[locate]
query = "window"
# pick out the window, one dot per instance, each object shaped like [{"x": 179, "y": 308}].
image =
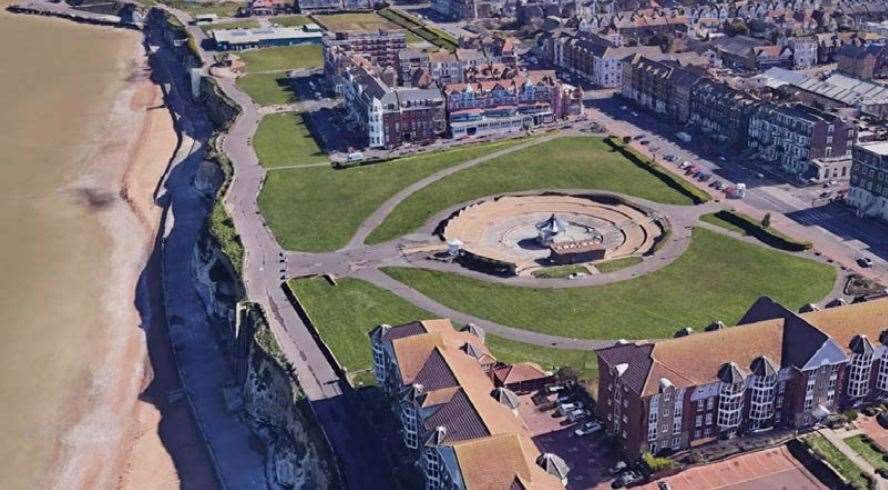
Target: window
[
  {"x": 698, "y": 421},
  {"x": 708, "y": 419},
  {"x": 730, "y": 404},
  {"x": 882, "y": 378},
  {"x": 700, "y": 405},
  {"x": 859, "y": 374},
  {"x": 710, "y": 403}
]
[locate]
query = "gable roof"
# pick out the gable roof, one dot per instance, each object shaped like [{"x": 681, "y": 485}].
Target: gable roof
[{"x": 786, "y": 339}]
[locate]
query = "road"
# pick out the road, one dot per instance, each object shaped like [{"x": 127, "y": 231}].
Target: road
[
  {"x": 360, "y": 461},
  {"x": 796, "y": 210}
]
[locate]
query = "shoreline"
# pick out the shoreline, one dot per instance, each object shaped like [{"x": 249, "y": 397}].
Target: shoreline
[{"x": 112, "y": 426}]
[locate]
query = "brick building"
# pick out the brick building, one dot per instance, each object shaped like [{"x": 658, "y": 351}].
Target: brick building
[
  {"x": 592, "y": 57},
  {"x": 388, "y": 115},
  {"x": 457, "y": 417},
  {"x": 380, "y": 47},
  {"x": 869, "y": 180},
  {"x": 794, "y": 136},
  {"x": 456, "y": 9},
  {"x": 662, "y": 87},
  {"x": 721, "y": 113},
  {"x": 511, "y": 104},
  {"x": 865, "y": 62},
  {"x": 777, "y": 368}
]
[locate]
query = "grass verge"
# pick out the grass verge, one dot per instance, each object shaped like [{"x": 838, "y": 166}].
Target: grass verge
[
  {"x": 844, "y": 466},
  {"x": 559, "y": 272},
  {"x": 617, "y": 264},
  {"x": 222, "y": 9},
  {"x": 284, "y": 139},
  {"x": 746, "y": 225},
  {"x": 344, "y": 315},
  {"x": 318, "y": 209},
  {"x": 717, "y": 278},
  {"x": 867, "y": 449},
  {"x": 693, "y": 193},
  {"x": 564, "y": 163},
  {"x": 273, "y": 88},
  {"x": 290, "y": 20}
]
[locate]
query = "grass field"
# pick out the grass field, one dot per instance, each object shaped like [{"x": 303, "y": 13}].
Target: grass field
[
  {"x": 284, "y": 139},
  {"x": 831, "y": 454},
  {"x": 717, "y": 278},
  {"x": 283, "y": 58},
  {"x": 344, "y": 314},
  {"x": 318, "y": 209},
  {"x": 864, "y": 447},
  {"x": 273, "y": 88},
  {"x": 237, "y": 24},
  {"x": 266, "y": 81},
  {"x": 362, "y": 22},
  {"x": 571, "y": 162},
  {"x": 290, "y": 20}
]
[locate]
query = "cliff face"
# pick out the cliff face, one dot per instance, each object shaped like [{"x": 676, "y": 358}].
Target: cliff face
[
  {"x": 298, "y": 454},
  {"x": 218, "y": 286}
]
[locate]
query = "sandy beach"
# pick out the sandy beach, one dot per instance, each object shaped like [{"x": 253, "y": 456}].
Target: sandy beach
[{"x": 89, "y": 367}]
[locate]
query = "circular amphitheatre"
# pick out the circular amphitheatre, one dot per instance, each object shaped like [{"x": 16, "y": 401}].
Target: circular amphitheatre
[{"x": 521, "y": 234}]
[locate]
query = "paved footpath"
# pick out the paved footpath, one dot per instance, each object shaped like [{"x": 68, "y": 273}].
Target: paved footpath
[{"x": 837, "y": 438}]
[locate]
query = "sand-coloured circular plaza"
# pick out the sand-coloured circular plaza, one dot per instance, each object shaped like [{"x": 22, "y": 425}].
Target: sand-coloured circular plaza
[{"x": 524, "y": 233}]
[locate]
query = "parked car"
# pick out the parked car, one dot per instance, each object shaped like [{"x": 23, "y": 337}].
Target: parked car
[
  {"x": 590, "y": 427},
  {"x": 685, "y": 164},
  {"x": 577, "y": 415},
  {"x": 566, "y": 408},
  {"x": 638, "y": 136},
  {"x": 626, "y": 478},
  {"x": 620, "y": 466},
  {"x": 565, "y": 397},
  {"x": 882, "y": 419},
  {"x": 865, "y": 262},
  {"x": 555, "y": 388},
  {"x": 670, "y": 157},
  {"x": 705, "y": 177},
  {"x": 645, "y": 142}
]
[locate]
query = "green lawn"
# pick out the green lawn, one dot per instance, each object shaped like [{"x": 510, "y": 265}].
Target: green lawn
[
  {"x": 617, "y": 264},
  {"x": 237, "y": 24},
  {"x": 266, "y": 81},
  {"x": 864, "y": 447},
  {"x": 318, "y": 209},
  {"x": 570, "y": 162},
  {"x": 747, "y": 225},
  {"x": 291, "y": 20},
  {"x": 283, "y": 58},
  {"x": 831, "y": 454},
  {"x": 717, "y": 278},
  {"x": 284, "y": 139},
  {"x": 273, "y": 88},
  {"x": 355, "y": 22},
  {"x": 222, "y": 9},
  {"x": 344, "y": 314}
]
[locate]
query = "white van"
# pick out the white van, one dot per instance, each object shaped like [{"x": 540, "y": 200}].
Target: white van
[{"x": 355, "y": 157}]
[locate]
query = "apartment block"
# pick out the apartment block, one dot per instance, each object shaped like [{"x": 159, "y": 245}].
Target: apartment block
[
  {"x": 662, "y": 87},
  {"x": 794, "y": 136},
  {"x": 776, "y": 369},
  {"x": 869, "y": 180},
  {"x": 456, "y": 415},
  {"x": 721, "y": 113},
  {"x": 499, "y": 106}
]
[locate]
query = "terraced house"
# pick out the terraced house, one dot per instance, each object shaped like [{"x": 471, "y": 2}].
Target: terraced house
[
  {"x": 777, "y": 368},
  {"x": 802, "y": 140},
  {"x": 511, "y": 104},
  {"x": 721, "y": 112},
  {"x": 456, "y": 413}
]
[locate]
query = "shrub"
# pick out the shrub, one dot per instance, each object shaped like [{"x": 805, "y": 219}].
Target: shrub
[
  {"x": 852, "y": 415},
  {"x": 657, "y": 464},
  {"x": 766, "y": 221}
]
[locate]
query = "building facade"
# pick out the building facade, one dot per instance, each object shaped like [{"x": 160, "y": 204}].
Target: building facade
[
  {"x": 380, "y": 47},
  {"x": 456, "y": 9},
  {"x": 777, "y": 369},
  {"x": 508, "y": 105},
  {"x": 869, "y": 180},
  {"x": 791, "y": 137},
  {"x": 721, "y": 113},
  {"x": 457, "y": 418},
  {"x": 662, "y": 87}
]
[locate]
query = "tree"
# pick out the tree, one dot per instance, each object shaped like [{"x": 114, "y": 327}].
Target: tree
[
  {"x": 626, "y": 140},
  {"x": 568, "y": 374},
  {"x": 766, "y": 221}
]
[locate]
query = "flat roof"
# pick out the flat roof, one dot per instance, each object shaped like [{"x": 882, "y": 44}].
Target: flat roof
[
  {"x": 250, "y": 36},
  {"x": 879, "y": 147}
]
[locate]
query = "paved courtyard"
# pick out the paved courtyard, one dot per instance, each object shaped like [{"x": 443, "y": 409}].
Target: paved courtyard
[{"x": 771, "y": 469}]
